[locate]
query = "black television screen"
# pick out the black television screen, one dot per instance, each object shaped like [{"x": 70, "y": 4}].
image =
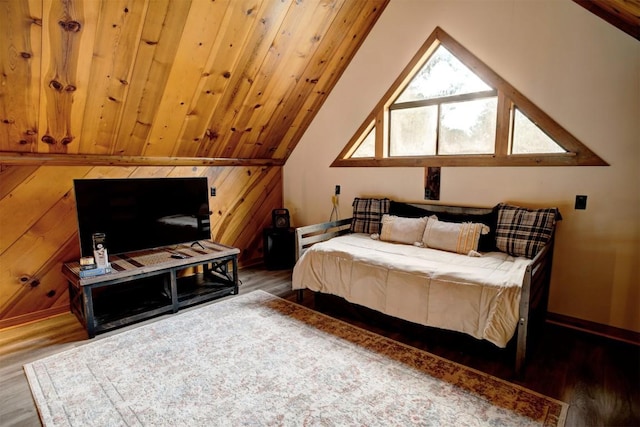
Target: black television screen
[{"x": 141, "y": 213}]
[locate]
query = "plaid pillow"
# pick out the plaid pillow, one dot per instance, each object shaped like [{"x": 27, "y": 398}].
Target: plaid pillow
[
  {"x": 523, "y": 232},
  {"x": 367, "y": 215}
]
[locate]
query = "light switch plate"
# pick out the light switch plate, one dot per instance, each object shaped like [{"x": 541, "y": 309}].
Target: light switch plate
[{"x": 581, "y": 202}]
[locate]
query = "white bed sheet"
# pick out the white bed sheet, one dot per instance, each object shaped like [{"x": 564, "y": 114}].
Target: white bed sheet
[{"x": 479, "y": 296}]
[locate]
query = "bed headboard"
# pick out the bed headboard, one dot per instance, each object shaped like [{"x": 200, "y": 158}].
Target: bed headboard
[
  {"x": 524, "y": 233},
  {"x": 487, "y": 216}
]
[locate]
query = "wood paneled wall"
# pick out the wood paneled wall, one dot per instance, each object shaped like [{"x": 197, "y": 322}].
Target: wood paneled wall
[
  {"x": 117, "y": 88},
  {"x": 39, "y": 226}
]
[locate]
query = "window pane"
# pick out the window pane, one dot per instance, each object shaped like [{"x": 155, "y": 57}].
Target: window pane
[
  {"x": 528, "y": 138},
  {"x": 413, "y": 131},
  {"x": 468, "y": 127},
  {"x": 368, "y": 147},
  {"x": 442, "y": 75}
]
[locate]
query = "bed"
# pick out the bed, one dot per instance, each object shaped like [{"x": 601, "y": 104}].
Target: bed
[{"x": 484, "y": 272}]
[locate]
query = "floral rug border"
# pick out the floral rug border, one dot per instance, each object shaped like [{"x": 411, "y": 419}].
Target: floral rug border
[{"x": 526, "y": 402}]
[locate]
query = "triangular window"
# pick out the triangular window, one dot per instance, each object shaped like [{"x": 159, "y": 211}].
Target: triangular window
[
  {"x": 449, "y": 109},
  {"x": 367, "y": 147},
  {"x": 442, "y": 75},
  {"x": 528, "y": 138}
]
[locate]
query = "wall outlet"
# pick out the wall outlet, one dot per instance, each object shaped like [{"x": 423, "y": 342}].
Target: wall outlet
[
  {"x": 337, "y": 193},
  {"x": 581, "y": 202},
  {"x": 213, "y": 191}
]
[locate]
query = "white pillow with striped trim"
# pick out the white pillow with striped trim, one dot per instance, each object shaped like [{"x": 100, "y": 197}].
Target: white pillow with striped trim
[
  {"x": 456, "y": 237},
  {"x": 402, "y": 230}
]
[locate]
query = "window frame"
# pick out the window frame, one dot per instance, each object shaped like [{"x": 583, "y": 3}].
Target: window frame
[{"x": 577, "y": 154}]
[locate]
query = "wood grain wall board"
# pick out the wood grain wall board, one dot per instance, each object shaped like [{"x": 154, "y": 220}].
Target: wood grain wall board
[
  {"x": 106, "y": 172},
  {"x": 322, "y": 74},
  {"x": 269, "y": 197},
  {"x": 30, "y": 200},
  {"x": 266, "y": 24},
  {"x": 54, "y": 294},
  {"x": 295, "y": 42},
  {"x": 21, "y": 262},
  {"x": 47, "y": 289},
  {"x": 160, "y": 39},
  {"x": 223, "y": 58},
  {"x": 12, "y": 176},
  {"x": 26, "y": 258},
  {"x": 219, "y": 202},
  {"x": 152, "y": 172},
  {"x": 222, "y": 205},
  {"x": 241, "y": 214},
  {"x": 231, "y": 224},
  {"x": 68, "y": 34},
  {"x": 188, "y": 171},
  {"x": 20, "y": 55},
  {"x": 119, "y": 27},
  {"x": 239, "y": 217},
  {"x": 200, "y": 31},
  {"x": 226, "y": 203}
]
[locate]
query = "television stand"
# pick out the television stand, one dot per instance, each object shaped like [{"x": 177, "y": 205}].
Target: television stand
[{"x": 147, "y": 283}]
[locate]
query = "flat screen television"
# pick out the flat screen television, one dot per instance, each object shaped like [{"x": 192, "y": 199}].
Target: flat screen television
[{"x": 142, "y": 213}]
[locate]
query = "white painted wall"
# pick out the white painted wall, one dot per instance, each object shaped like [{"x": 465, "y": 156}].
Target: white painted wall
[{"x": 582, "y": 71}]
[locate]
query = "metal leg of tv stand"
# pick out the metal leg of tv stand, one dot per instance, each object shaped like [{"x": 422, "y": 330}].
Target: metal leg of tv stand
[{"x": 235, "y": 275}]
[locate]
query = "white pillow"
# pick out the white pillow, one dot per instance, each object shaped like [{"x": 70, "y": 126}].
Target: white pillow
[
  {"x": 402, "y": 230},
  {"x": 456, "y": 237}
]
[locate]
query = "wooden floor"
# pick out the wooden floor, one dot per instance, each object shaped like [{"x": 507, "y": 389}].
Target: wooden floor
[{"x": 598, "y": 377}]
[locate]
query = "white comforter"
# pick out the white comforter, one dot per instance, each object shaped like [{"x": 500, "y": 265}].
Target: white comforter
[{"x": 479, "y": 296}]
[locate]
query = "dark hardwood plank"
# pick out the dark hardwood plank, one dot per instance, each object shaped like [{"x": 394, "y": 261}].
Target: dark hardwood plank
[{"x": 597, "y": 376}]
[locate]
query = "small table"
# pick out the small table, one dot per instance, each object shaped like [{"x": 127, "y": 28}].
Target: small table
[
  {"x": 148, "y": 283},
  {"x": 279, "y": 246}
]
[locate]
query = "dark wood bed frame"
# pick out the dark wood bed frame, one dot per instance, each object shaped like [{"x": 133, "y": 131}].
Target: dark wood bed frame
[{"x": 535, "y": 287}]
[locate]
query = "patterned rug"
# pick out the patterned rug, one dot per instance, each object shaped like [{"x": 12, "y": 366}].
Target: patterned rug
[{"x": 260, "y": 360}]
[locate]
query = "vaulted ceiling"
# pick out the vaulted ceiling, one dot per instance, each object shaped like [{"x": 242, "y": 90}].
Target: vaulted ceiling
[
  {"x": 623, "y": 14},
  {"x": 203, "y": 82},
  {"x": 220, "y": 82}
]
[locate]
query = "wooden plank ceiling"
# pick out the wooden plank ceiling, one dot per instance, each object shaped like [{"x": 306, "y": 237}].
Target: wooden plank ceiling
[
  {"x": 152, "y": 82},
  {"x": 623, "y": 14}
]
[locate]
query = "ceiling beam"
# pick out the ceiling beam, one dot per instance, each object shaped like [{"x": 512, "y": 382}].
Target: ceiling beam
[{"x": 41, "y": 159}]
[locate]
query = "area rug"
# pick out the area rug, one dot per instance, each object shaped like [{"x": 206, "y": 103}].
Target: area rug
[{"x": 259, "y": 360}]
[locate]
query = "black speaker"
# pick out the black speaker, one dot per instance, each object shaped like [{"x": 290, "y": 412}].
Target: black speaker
[{"x": 280, "y": 218}]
